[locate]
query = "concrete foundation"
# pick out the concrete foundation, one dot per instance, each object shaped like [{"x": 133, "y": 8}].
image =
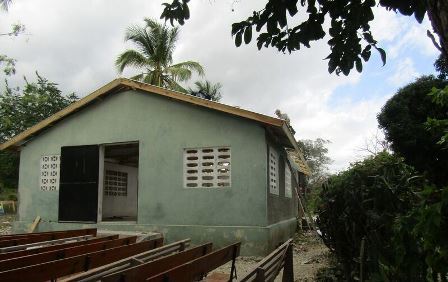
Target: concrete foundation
[{"x": 253, "y": 238}]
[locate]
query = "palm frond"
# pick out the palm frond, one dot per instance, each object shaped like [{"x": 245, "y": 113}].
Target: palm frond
[
  {"x": 189, "y": 65},
  {"x": 130, "y": 58}
]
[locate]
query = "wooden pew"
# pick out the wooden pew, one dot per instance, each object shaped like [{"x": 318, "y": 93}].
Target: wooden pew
[
  {"x": 63, "y": 253},
  {"x": 29, "y": 235},
  {"x": 9, "y": 242},
  {"x": 142, "y": 271},
  {"x": 198, "y": 268},
  {"x": 268, "y": 268},
  {"x": 97, "y": 273},
  {"x": 37, "y": 250},
  {"x": 54, "y": 269}
]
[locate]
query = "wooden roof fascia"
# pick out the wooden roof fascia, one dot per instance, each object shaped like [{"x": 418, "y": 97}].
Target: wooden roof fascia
[
  {"x": 202, "y": 102},
  {"x": 123, "y": 83},
  {"x": 57, "y": 116}
]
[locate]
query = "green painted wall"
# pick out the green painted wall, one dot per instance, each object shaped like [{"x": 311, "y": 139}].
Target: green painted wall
[{"x": 163, "y": 128}]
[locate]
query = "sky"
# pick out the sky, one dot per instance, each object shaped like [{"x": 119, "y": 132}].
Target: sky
[{"x": 75, "y": 44}]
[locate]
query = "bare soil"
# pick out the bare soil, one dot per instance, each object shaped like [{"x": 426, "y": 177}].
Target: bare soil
[
  {"x": 6, "y": 224},
  {"x": 310, "y": 255}
]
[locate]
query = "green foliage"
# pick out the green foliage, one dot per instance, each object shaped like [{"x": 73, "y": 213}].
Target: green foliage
[
  {"x": 349, "y": 31},
  {"x": 20, "y": 110},
  {"x": 441, "y": 66},
  {"x": 154, "y": 56},
  {"x": 315, "y": 153},
  {"x": 207, "y": 90},
  {"x": 437, "y": 126},
  {"x": 404, "y": 120},
  {"x": 359, "y": 207}
]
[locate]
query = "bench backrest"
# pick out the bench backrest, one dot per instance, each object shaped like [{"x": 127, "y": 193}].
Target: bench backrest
[{"x": 268, "y": 268}]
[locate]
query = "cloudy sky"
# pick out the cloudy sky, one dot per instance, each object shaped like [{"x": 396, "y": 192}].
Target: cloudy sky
[{"x": 75, "y": 43}]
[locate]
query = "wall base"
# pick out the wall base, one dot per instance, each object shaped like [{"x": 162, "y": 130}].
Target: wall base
[{"x": 256, "y": 241}]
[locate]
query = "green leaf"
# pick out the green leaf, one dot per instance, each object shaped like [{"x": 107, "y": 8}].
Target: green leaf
[
  {"x": 358, "y": 64},
  {"x": 383, "y": 55},
  {"x": 238, "y": 39},
  {"x": 248, "y": 34}
]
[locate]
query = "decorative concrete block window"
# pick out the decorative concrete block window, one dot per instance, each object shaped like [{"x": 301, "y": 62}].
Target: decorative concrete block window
[
  {"x": 207, "y": 167},
  {"x": 273, "y": 171},
  {"x": 49, "y": 172},
  {"x": 288, "y": 189},
  {"x": 115, "y": 183}
]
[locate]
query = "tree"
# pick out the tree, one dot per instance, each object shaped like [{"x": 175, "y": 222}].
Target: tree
[
  {"x": 20, "y": 110},
  {"x": 207, "y": 90},
  {"x": 351, "y": 40},
  {"x": 404, "y": 120},
  {"x": 9, "y": 67},
  {"x": 315, "y": 153},
  {"x": 154, "y": 56}
]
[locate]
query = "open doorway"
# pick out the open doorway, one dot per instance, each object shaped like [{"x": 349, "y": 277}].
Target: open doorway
[{"x": 120, "y": 182}]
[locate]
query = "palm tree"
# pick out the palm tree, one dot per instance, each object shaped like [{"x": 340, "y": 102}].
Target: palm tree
[
  {"x": 154, "y": 56},
  {"x": 207, "y": 90}
]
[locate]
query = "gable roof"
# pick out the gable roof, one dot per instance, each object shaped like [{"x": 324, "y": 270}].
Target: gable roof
[{"x": 275, "y": 126}]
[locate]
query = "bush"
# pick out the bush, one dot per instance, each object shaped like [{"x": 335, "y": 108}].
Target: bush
[{"x": 357, "y": 214}]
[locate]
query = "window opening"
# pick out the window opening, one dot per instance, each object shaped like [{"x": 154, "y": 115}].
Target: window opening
[{"x": 207, "y": 167}]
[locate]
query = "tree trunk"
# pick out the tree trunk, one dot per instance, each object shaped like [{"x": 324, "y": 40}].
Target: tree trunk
[{"x": 438, "y": 15}]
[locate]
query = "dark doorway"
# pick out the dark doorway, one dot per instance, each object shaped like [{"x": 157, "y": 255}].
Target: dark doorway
[{"x": 78, "y": 190}]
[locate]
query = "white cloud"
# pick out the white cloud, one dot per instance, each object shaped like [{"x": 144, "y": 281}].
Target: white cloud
[
  {"x": 75, "y": 43},
  {"x": 404, "y": 73}
]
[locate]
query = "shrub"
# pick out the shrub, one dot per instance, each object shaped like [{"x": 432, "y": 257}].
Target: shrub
[{"x": 357, "y": 214}]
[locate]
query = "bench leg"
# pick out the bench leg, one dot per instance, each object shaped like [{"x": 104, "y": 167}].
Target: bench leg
[{"x": 288, "y": 271}]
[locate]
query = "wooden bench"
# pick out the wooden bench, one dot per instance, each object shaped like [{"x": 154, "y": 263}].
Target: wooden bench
[
  {"x": 268, "y": 268},
  {"x": 144, "y": 270},
  {"x": 41, "y": 248},
  {"x": 21, "y": 239},
  {"x": 60, "y": 268},
  {"x": 100, "y": 272},
  {"x": 63, "y": 253},
  {"x": 198, "y": 268}
]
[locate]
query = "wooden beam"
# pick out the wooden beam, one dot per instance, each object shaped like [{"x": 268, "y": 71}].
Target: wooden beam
[
  {"x": 29, "y": 235},
  {"x": 34, "y": 238},
  {"x": 99, "y": 272},
  {"x": 39, "y": 250},
  {"x": 63, "y": 253},
  {"x": 34, "y": 224},
  {"x": 196, "y": 269},
  {"x": 54, "y": 269},
  {"x": 149, "y": 269}
]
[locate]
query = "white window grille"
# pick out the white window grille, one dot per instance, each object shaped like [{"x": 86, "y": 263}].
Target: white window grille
[
  {"x": 207, "y": 167},
  {"x": 288, "y": 190},
  {"x": 115, "y": 183},
  {"x": 273, "y": 171},
  {"x": 49, "y": 173}
]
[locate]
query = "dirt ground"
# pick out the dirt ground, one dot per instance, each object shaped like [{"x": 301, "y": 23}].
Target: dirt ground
[
  {"x": 310, "y": 255},
  {"x": 5, "y": 224}
]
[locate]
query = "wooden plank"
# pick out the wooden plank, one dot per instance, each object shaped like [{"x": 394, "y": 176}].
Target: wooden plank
[
  {"x": 38, "y": 250},
  {"x": 91, "y": 231},
  {"x": 196, "y": 269},
  {"x": 63, "y": 253},
  {"x": 97, "y": 273},
  {"x": 149, "y": 269},
  {"x": 54, "y": 269},
  {"x": 34, "y": 224},
  {"x": 44, "y": 243},
  {"x": 45, "y": 237},
  {"x": 269, "y": 264}
]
